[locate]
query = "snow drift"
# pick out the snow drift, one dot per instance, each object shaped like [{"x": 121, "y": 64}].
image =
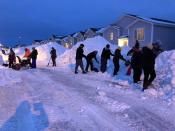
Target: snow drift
[
  {"x": 91, "y": 44},
  {"x": 165, "y": 69}
]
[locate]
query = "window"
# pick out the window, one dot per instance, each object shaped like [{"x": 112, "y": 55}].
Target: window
[
  {"x": 123, "y": 42},
  {"x": 111, "y": 36},
  {"x": 66, "y": 45},
  {"x": 140, "y": 34}
]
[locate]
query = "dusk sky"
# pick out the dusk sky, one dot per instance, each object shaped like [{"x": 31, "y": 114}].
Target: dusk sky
[{"x": 26, "y": 20}]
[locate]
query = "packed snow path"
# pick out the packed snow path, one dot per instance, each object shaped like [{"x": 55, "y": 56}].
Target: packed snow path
[{"x": 57, "y": 100}]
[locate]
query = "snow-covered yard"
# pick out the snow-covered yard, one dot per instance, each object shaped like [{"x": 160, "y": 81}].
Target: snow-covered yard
[{"x": 55, "y": 99}]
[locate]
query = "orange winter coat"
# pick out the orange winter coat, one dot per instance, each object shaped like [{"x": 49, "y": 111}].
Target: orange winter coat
[{"x": 27, "y": 53}]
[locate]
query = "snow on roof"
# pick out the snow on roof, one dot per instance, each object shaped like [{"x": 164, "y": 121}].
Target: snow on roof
[
  {"x": 154, "y": 20},
  {"x": 102, "y": 29},
  {"x": 75, "y": 35},
  {"x": 105, "y": 28}
]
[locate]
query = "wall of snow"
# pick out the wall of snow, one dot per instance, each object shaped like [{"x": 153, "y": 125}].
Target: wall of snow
[
  {"x": 91, "y": 44},
  {"x": 165, "y": 69}
]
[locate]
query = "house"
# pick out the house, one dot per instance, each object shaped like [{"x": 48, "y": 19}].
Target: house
[
  {"x": 90, "y": 33},
  {"x": 79, "y": 36},
  {"x": 122, "y": 24},
  {"x": 37, "y": 42},
  {"x": 56, "y": 38},
  {"x": 110, "y": 33},
  {"x": 145, "y": 30},
  {"x": 68, "y": 41}
]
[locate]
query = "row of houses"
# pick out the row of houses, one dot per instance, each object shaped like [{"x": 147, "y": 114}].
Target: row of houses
[{"x": 125, "y": 31}]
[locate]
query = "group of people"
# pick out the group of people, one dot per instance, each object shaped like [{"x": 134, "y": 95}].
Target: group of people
[
  {"x": 29, "y": 57},
  {"x": 89, "y": 58},
  {"x": 105, "y": 56},
  {"x": 142, "y": 59}
]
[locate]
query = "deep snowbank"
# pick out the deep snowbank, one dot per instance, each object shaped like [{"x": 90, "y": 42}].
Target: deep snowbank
[
  {"x": 165, "y": 69},
  {"x": 91, "y": 44}
]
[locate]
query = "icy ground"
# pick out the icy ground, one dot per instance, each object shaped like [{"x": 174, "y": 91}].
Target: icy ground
[{"x": 55, "y": 99}]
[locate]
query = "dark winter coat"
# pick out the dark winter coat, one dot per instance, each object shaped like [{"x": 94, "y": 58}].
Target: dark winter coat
[
  {"x": 136, "y": 59},
  {"x": 53, "y": 53},
  {"x": 148, "y": 57},
  {"x": 91, "y": 56},
  {"x": 34, "y": 54},
  {"x": 118, "y": 56},
  {"x": 12, "y": 57},
  {"x": 106, "y": 53},
  {"x": 79, "y": 53}
]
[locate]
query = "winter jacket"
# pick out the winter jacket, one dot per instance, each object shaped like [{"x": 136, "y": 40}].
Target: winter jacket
[
  {"x": 136, "y": 59},
  {"x": 79, "y": 53},
  {"x": 118, "y": 56},
  {"x": 106, "y": 53},
  {"x": 27, "y": 53},
  {"x": 91, "y": 56},
  {"x": 34, "y": 54},
  {"x": 12, "y": 57},
  {"x": 53, "y": 53},
  {"x": 148, "y": 57}
]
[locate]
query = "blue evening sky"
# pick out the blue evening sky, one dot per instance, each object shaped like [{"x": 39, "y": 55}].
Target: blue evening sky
[{"x": 26, "y": 20}]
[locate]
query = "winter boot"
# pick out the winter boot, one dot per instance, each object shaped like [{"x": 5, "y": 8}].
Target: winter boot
[
  {"x": 84, "y": 72},
  {"x": 145, "y": 85}
]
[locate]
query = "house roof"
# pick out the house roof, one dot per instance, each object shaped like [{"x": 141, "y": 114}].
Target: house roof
[
  {"x": 58, "y": 36},
  {"x": 75, "y": 35},
  {"x": 154, "y": 20},
  {"x": 37, "y": 40},
  {"x": 101, "y": 30},
  {"x": 93, "y": 29}
]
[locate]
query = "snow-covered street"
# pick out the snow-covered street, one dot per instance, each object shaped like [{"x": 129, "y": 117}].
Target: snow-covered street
[{"x": 56, "y": 99}]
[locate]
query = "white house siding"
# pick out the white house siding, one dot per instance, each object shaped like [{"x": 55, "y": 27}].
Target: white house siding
[
  {"x": 79, "y": 37},
  {"x": 69, "y": 40},
  {"x": 166, "y": 35},
  {"x": 147, "y": 35},
  {"x": 108, "y": 31},
  {"x": 89, "y": 34},
  {"x": 123, "y": 23}
]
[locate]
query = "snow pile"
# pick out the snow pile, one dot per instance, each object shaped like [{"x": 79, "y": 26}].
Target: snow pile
[
  {"x": 91, "y": 44},
  {"x": 165, "y": 69},
  {"x": 43, "y": 52}
]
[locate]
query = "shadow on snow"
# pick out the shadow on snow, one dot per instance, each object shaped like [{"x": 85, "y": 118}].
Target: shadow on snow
[{"x": 24, "y": 119}]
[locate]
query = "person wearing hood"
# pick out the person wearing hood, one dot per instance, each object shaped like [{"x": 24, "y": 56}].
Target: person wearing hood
[
  {"x": 117, "y": 57},
  {"x": 34, "y": 57},
  {"x": 136, "y": 62},
  {"x": 11, "y": 58},
  {"x": 148, "y": 63},
  {"x": 27, "y": 56},
  {"x": 79, "y": 57},
  {"x": 27, "y": 53},
  {"x": 89, "y": 60},
  {"x": 105, "y": 56},
  {"x": 53, "y": 54}
]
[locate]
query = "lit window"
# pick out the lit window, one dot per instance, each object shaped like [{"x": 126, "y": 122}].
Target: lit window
[
  {"x": 140, "y": 34},
  {"x": 111, "y": 36},
  {"x": 66, "y": 45},
  {"x": 123, "y": 42}
]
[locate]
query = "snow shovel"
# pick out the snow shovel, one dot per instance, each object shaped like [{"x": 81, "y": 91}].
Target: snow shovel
[{"x": 48, "y": 62}]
